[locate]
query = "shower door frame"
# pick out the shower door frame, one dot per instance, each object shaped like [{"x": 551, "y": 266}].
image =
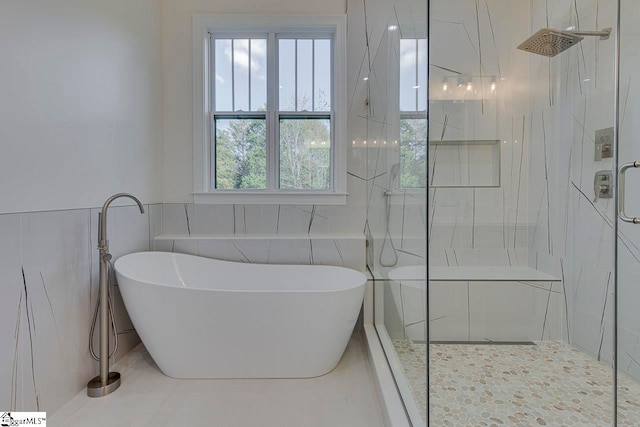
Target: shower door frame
[{"x": 427, "y": 210}]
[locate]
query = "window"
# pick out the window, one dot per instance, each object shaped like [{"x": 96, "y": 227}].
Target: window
[
  {"x": 241, "y": 112},
  {"x": 272, "y": 128},
  {"x": 413, "y": 118}
]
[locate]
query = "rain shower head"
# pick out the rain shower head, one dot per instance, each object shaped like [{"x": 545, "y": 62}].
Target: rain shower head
[{"x": 550, "y": 42}]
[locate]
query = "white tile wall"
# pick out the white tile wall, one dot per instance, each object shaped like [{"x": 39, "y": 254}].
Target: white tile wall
[
  {"x": 514, "y": 311},
  {"x": 339, "y": 250},
  {"x": 475, "y": 311},
  {"x": 546, "y": 112},
  {"x": 449, "y": 317},
  {"x": 11, "y": 314},
  {"x": 573, "y": 236},
  {"x": 49, "y": 268}
]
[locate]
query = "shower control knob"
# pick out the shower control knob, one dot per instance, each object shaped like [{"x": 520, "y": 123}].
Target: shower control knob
[{"x": 603, "y": 185}]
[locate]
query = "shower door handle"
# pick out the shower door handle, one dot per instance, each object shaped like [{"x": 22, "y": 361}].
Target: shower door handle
[{"x": 621, "y": 173}]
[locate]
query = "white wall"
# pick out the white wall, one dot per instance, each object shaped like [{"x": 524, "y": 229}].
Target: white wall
[
  {"x": 177, "y": 77},
  {"x": 80, "y": 102},
  {"x": 80, "y": 119}
]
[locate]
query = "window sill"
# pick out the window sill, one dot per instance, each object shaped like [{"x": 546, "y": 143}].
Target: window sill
[{"x": 269, "y": 198}]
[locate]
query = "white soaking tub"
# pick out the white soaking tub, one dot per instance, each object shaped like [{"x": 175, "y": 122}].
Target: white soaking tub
[{"x": 206, "y": 318}]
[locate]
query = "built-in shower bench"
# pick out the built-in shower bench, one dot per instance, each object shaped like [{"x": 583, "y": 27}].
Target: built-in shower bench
[
  {"x": 472, "y": 274},
  {"x": 475, "y": 303}
]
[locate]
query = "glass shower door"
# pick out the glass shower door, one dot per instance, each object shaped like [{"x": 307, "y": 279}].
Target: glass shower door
[
  {"x": 391, "y": 119},
  {"x": 628, "y": 254}
]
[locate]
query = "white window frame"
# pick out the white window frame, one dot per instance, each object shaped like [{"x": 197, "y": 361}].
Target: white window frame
[{"x": 203, "y": 24}]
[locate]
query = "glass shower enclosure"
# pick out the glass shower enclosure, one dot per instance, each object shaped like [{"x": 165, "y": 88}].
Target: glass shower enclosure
[{"x": 519, "y": 196}]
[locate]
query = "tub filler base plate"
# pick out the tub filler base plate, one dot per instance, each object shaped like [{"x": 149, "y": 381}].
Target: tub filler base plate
[{"x": 95, "y": 388}]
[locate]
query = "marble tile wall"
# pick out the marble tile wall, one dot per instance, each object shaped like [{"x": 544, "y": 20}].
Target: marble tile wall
[
  {"x": 479, "y": 90},
  {"x": 395, "y": 220},
  {"x": 512, "y": 311},
  {"x": 574, "y": 232},
  {"x": 573, "y": 96},
  {"x": 338, "y": 250},
  {"x": 280, "y": 234},
  {"x": 49, "y": 271},
  {"x": 467, "y": 225},
  {"x": 546, "y": 112},
  {"x": 476, "y": 42},
  {"x": 230, "y": 220}
]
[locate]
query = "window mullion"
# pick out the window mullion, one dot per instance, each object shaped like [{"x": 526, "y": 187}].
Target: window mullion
[
  {"x": 233, "y": 76},
  {"x": 210, "y": 150},
  {"x": 416, "y": 87},
  {"x": 249, "y": 73},
  {"x": 272, "y": 117},
  {"x": 394, "y": 54},
  {"x": 305, "y": 114},
  {"x": 332, "y": 108},
  {"x": 241, "y": 115},
  {"x": 212, "y": 67},
  {"x": 313, "y": 75},
  {"x": 295, "y": 74}
]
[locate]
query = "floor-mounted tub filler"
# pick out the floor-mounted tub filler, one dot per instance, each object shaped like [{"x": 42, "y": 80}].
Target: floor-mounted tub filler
[
  {"x": 206, "y": 318},
  {"x": 107, "y": 382}
]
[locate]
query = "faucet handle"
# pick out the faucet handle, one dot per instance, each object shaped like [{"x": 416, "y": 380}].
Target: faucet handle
[
  {"x": 602, "y": 185},
  {"x": 103, "y": 245}
]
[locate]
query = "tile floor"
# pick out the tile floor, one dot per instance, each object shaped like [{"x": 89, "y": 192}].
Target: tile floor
[
  {"x": 344, "y": 397},
  {"x": 412, "y": 357},
  {"x": 550, "y": 384}
]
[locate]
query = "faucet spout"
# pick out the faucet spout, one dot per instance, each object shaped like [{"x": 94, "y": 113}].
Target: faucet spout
[{"x": 102, "y": 230}]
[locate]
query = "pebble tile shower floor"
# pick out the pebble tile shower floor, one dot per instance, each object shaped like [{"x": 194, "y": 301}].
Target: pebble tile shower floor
[{"x": 549, "y": 383}]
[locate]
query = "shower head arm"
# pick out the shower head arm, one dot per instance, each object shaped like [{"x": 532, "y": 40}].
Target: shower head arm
[{"x": 604, "y": 34}]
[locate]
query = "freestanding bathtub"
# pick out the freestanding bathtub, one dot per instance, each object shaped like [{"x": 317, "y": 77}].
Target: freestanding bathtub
[{"x": 206, "y": 318}]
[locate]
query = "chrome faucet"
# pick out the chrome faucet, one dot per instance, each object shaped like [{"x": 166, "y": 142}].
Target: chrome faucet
[
  {"x": 107, "y": 382},
  {"x": 103, "y": 242}
]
